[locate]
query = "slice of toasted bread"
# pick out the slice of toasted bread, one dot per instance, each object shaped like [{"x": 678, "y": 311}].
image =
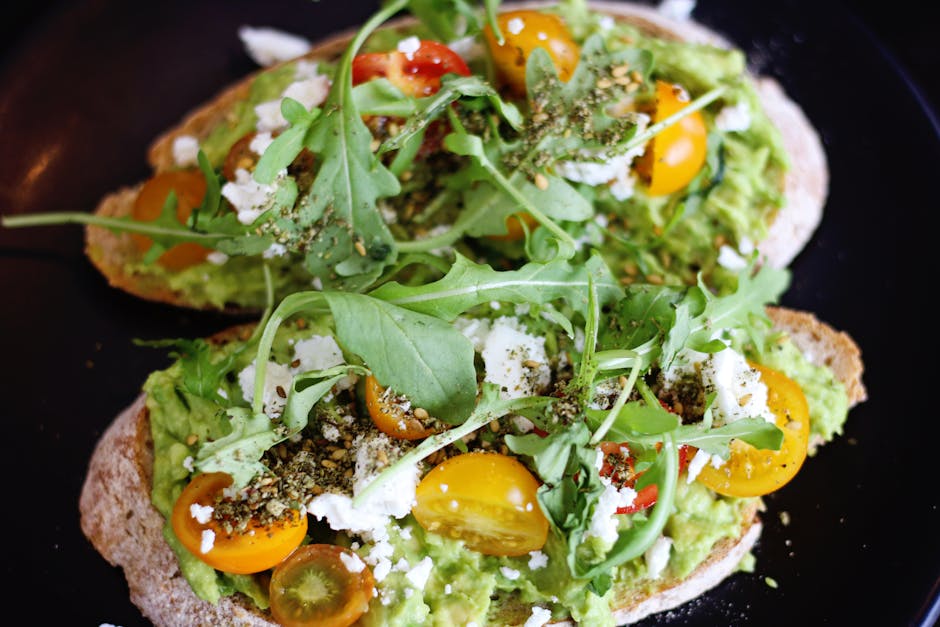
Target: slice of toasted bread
[
  {"x": 805, "y": 185},
  {"x": 122, "y": 524}
]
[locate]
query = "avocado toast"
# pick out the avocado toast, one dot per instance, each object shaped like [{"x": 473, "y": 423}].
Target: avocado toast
[{"x": 761, "y": 181}]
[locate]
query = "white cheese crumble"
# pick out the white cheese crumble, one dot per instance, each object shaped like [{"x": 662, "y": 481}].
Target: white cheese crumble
[
  {"x": 202, "y": 514},
  {"x": 730, "y": 259},
  {"x": 537, "y": 560},
  {"x": 448, "y": 588},
  {"x": 267, "y": 46},
  {"x": 260, "y": 142},
  {"x": 276, "y": 376},
  {"x": 606, "y": 22},
  {"x": 540, "y": 616},
  {"x": 514, "y": 360},
  {"x": 185, "y": 151},
  {"x": 330, "y": 432},
  {"x": 604, "y": 522},
  {"x": 319, "y": 352},
  {"x": 734, "y": 118},
  {"x": 217, "y": 258},
  {"x": 677, "y": 9},
  {"x": 509, "y": 573},
  {"x": 206, "y": 541},
  {"x": 739, "y": 391},
  {"x": 409, "y": 46},
  {"x": 250, "y": 198},
  {"x": 474, "y": 329},
  {"x": 418, "y": 576},
  {"x": 189, "y": 463},
  {"x": 515, "y": 25},
  {"x": 274, "y": 250},
  {"x": 310, "y": 92},
  {"x": 352, "y": 562},
  {"x": 657, "y": 556}
]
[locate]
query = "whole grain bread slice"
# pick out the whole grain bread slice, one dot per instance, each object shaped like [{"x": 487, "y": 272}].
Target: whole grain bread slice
[
  {"x": 119, "y": 520},
  {"x": 805, "y": 185}
]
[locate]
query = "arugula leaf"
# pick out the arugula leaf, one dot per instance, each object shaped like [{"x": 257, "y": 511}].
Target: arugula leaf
[
  {"x": 288, "y": 144},
  {"x": 201, "y": 375},
  {"x": 469, "y": 284},
  {"x": 636, "y": 417},
  {"x": 380, "y": 97},
  {"x": 446, "y": 19}
]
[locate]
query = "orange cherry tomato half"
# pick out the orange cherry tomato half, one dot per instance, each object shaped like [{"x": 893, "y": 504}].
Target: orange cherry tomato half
[
  {"x": 754, "y": 472},
  {"x": 258, "y": 548},
  {"x": 418, "y": 74},
  {"x": 524, "y": 31},
  {"x": 676, "y": 154},
  {"x": 487, "y": 500},
  {"x": 190, "y": 188},
  {"x": 320, "y": 585},
  {"x": 514, "y": 229},
  {"x": 389, "y": 417}
]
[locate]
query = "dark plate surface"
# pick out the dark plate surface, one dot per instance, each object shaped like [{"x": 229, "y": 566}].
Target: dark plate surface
[{"x": 84, "y": 91}]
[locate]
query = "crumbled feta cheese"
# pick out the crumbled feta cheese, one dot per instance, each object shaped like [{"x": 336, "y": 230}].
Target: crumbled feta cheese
[
  {"x": 418, "y": 576},
  {"x": 320, "y": 352},
  {"x": 537, "y": 560},
  {"x": 739, "y": 391},
  {"x": 206, "y": 541},
  {"x": 217, "y": 257},
  {"x": 448, "y": 588},
  {"x": 696, "y": 464},
  {"x": 474, "y": 329},
  {"x": 515, "y": 360},
  {"x": 277, "y": 376},
  {"x": 306, "y": 69},
  {"x": 202, "y": 514},
  {"x": 734, "y": 118},
  {"x": 657, "y": 556},
  {"x": 540, "y": 616},
  {"x": 409, "y": 46},
  {"x": 677, "y": 9},
  {"x": 185, "y": 151},
  {"x": 509, "y": 573},
  {"x": 188, "y": 463},
  {"x": 267, "y": 46},
  {"x": 330, "y": 432},
  {"x": 730, "y": 259},
  {"x": 606, "y": 22},
  {"x": 352, "y": 562},
  {"x": 248, "y": 197},
  {"x": 522, "y": 424},
  {"x": 604, "y": 522},
  {"x": 274, "y": 250},
  {"x": 405, "y": 533},
  {"x": 310, "y": 92},
  {"x": 515, "y": 25},
  {"x": 260, "y": 142}
]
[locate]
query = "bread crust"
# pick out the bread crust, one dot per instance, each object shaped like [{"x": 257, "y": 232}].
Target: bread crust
[
  {"x": 805, "y": 185},
  {"x": 119, "y": 520}
]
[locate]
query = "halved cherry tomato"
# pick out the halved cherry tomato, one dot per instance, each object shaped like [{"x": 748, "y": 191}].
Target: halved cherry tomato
[
  {"x": 755, "y": 472},
  {"x": 389, "y": 417},
  {"x": 618, "y": 465},
  {"x": 675, "y": 155},
  {"x": 524, "y": 31},
  {"x": 320, "y": 585},
  {"x": 258, "y": 548},
  {"x": 190, "y": 187},
  {"x": 488, "y": 500},
  {"x": 514, "y": 229},
  {"x": 241, "y": 156},
  {"x": 418, "y": 74}
]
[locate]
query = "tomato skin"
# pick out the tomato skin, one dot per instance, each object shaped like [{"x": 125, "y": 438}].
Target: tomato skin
[
  {"x": 390, "y": 419},
  {"x": 314, "y": 587},
  {"x": 418, "y": 76},
  {"x": 676, "y": 155},
  {"x": 258, "y": 549},
  {"x": 487, "y": 500},
  {"x": 622, "y": 474},
  {"x": 754, "y": 472},
  {"x": 539, "y": 30},
  {"x": 190, "y": 188}
]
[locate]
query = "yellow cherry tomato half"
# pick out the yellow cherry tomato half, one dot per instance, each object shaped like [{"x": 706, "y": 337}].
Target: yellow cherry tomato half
[
  {"x": 258, "y": 548},
  {"x": 487, "y": 500},
  {"x": 675, "y": 155},
  {"x": 524, "y": 31},
  {"x": 320, "y": 585},
  {"x": 390, "y": 417},
  {"x": 190, "y": 187},
  {"x": 754, "y": 472}
]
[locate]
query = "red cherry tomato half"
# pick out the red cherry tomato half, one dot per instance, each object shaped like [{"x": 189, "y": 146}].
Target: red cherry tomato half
[
  {"x": 618, "y": 465},
  {"x": 418, "y": 74}
]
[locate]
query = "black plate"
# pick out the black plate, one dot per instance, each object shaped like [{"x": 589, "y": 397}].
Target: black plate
[{"x": 85, "y": 91}]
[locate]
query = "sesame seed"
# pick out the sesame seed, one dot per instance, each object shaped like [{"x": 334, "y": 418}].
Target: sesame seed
[
  {"x": 620, "y": 71},
  {"x": 421, "y": 413},
  {"x": 494, "y": 426},
  {"x": 360, "y": 249}
]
